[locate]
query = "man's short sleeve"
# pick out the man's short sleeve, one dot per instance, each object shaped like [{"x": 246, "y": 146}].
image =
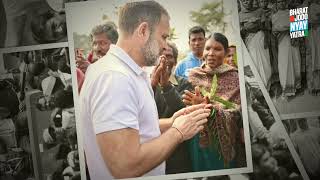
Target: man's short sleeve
[{"x": 113, "y": 103}]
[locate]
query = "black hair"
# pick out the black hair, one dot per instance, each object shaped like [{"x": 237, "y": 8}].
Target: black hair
[
  {"x": 52, "y": 133},
  {"x": 134, "y": 13},
  {"x": 174, "y": 50},
  {"x": 196, "y": 30},
  {"x": 221, "y": 39},
  {"x": 64, "y": 98}
]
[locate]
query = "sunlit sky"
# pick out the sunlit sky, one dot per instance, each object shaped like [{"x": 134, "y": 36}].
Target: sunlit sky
[{"x": 86, "y": 15}]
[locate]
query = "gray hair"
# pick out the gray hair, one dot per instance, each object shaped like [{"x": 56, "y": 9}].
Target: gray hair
[{"x": 109, "y": 28}]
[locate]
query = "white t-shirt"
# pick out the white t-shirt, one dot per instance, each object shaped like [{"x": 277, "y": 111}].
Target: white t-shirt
[{"x": 116, "y": 94}]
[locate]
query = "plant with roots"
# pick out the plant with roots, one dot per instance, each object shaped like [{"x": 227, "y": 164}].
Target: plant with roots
[{"x": 215, "y": 134}]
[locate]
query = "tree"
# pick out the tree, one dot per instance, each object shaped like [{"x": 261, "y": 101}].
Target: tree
[
  {"x": 210, "y": 16},
  {"x": 105, "y": 17},
  {"x": 82, "y": 41},
  {"x": 172, "y": 34}
]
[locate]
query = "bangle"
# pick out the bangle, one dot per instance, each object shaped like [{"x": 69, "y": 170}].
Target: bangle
[{"x": 182, "y": 136}]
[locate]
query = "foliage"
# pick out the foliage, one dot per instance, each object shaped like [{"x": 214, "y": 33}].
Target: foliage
[
  {"x": 172, "y": 34},
  {"x": 212, "y": 126},
  {"x": 82, "y": 41},
  {"x": 212, "y": 94},
  {"x": 210, "y": 16}
]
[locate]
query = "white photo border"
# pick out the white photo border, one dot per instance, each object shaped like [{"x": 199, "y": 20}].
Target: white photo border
[{"x": 70, "y": 7}]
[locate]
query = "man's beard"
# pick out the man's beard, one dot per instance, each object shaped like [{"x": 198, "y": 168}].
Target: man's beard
[{"x": 151, "y": 52}]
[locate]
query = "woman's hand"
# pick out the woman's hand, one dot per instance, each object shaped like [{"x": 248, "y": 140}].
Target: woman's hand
[{"x": 190, "y": 98}]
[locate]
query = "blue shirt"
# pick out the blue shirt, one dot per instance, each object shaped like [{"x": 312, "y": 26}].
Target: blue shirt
[{"x": 183, "y": 68}]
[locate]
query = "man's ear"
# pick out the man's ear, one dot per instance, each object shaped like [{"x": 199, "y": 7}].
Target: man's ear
[{"x": 143, "y": 31}]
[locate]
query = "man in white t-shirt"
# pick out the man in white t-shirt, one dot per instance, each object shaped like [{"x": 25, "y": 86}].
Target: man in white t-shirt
[{"x": 123, "y": 136}]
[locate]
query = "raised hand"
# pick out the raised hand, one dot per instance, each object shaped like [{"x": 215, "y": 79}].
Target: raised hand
[
  {"x": 190, "y": 98},
  {"x": 165, "y": 75},
  {"x": 82, "y": 64},
  {"x": 157, "y": 71}
]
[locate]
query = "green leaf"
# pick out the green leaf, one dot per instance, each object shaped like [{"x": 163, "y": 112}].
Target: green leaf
[
  {"x": 214, "y": 86},
  {"x": 211, "y": 118},
  {"x": 213, "y": 112},
  {"x": 212, "y": 95},
  {"x": 227, "y": 104},
  {"x": 204, "y": 92}
]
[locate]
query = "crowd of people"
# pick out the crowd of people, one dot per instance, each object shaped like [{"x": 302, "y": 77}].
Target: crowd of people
[
  {"x": 270, "y": 154},
  {"x": 287, "y": 67},
  {"x": 48, "y": 72},
  {"x": 174, "y": 86}
]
